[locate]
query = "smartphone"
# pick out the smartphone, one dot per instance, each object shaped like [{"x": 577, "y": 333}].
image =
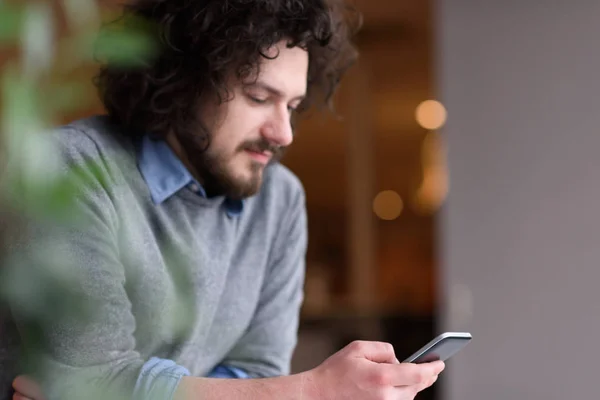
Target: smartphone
[{"x": 441, "y": 348}]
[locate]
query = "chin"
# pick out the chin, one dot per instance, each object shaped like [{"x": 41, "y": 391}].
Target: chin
[
  {"x": 235, "y": 181},
  {"x": 240, "y": 188}
]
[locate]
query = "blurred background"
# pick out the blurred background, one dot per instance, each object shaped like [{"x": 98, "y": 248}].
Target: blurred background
[{"x": 455, "y": 191}]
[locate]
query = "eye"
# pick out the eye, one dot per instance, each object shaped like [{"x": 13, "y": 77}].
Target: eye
[
  {"x": 257, "y": 100},
  {"x": 294, "y": 107}
]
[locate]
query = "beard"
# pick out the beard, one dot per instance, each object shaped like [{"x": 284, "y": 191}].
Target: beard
[{"x": 217, "y": 176}]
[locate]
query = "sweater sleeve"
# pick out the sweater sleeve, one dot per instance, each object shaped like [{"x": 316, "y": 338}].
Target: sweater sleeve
[
  {"x": 66, "y": 291},
  {"x": 267, "y": 346}
]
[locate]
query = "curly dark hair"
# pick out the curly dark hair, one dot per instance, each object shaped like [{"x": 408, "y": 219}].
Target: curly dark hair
[{"x": 204, "y": 41}]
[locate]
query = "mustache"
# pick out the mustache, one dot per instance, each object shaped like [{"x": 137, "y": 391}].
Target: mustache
[{"x": 262, "y": 145}]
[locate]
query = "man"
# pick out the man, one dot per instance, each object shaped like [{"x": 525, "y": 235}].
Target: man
[{"x": 190, "y": 239}]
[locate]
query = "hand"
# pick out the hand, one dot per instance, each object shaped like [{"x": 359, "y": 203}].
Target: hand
[
  {"x": 370, "y": 371},
  {"x": 26, "y": 389}
]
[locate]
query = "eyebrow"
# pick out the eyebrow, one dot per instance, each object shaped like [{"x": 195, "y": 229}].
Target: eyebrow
[{"x": 272, "y": 90}]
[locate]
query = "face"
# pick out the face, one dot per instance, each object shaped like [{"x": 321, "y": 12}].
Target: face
[{"x": 253, "y": 128}]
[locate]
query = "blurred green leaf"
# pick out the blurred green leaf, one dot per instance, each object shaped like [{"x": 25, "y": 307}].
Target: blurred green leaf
[
  {"x": 38, "y": 38},
  {"x": 33, "y": 183},
  {"x": 120, "y": 48},
  {"x": 11, "y": 22},
  {"x": 22, "y": 120},
  {"x": 54, "y": 197},
  {"x": 32, "y": 167},
  {"x": 20, "y": 112},
  {"x": 184, "y": 305},
  {"x": 81, "y": 13},
  {"x": 53, "y": 200},
  {"x": 68, "y": 96}
]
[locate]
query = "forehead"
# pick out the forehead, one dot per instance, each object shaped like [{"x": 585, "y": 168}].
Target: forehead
[{"x": 286, "y": 69}]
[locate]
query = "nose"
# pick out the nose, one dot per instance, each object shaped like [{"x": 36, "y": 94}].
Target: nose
[{"x": 278, "y": 130}]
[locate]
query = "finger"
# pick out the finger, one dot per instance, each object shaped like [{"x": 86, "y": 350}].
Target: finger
[
  {"x": 379, "y": 352},
  {"x": 410, "y": 392},
  {"x": 425, "y": 385},
  {"x": 404, "y": 374},
  {"x": 27, "y": 388},
  {"x": 437, "y": 366}
]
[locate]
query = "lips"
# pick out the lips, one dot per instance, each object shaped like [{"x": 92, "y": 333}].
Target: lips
[
  {"x": 262, "y": 151},
  {"x": 260, "y": 156}
]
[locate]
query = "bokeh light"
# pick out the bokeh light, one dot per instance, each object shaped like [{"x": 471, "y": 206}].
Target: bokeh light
[
  {"x": 435, "y": 186},
  {"x": 388, "y": 205},
  {"x": 431, "y": 114}
]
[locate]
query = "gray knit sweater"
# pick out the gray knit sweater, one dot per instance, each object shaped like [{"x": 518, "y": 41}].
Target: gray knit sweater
[{"x": 181, "y": 280}]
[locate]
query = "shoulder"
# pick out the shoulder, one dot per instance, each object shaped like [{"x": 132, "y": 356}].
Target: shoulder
[
  {"x": 95, "y": 148},
  {"x": 92, "y": 155},
  {"x": 91, "y": 138}
]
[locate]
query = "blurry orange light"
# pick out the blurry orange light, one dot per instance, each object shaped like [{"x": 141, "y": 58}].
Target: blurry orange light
[
  {"x": 431, "y": 114},
  {"x": 388, "y": 205}
]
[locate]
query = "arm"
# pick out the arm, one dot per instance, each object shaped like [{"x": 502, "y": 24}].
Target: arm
[
  {"x": 361, "y": 370},
  {"x": 365, "y": 370},
  {"x": 78, "y": 352},
  {"x": 27, "y": 389},
  {"x": 67, "y": 295},
  {"x": 266, "y": 348}
]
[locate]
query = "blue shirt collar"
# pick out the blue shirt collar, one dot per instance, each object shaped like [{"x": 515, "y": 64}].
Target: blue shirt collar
[{"x": 165, "y": 174}]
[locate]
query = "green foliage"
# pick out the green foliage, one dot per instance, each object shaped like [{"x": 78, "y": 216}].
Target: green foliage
[
  {"x": 37, "y": 89},
  {"x": 11, "y": 20},
  {"x": 124, "y": 48},
  {"x": 35, "y": 93}
]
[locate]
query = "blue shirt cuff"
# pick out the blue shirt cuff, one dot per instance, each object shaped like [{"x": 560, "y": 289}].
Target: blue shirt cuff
[
  {"x": 158, "y": 379},
  {"x": 225, "y": 371}
]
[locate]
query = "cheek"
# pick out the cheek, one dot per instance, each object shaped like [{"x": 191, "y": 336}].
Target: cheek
[
  {"x": 223, "y": 140},
  {"x": 244, "y": 121},
  {"x": 222, "y": 149},
  {"x": 242, "y": 124},
  {"x": 225, "y": 148}
]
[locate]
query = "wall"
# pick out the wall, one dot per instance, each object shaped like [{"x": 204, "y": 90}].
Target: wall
[{"x": 520, "y": 231}]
